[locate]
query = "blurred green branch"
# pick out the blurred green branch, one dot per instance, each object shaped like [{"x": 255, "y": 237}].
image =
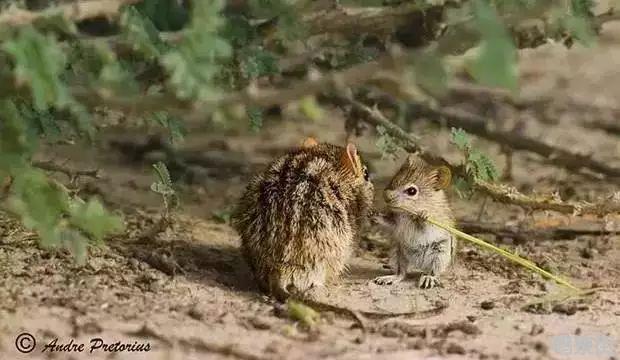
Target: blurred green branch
[{"x": 76, "y": 11}]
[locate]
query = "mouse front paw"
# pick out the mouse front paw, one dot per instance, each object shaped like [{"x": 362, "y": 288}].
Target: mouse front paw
[
  {"x": 428, "y": 282},
  {"x": 388, "y": 279},
  {"x": 422, "y": 216}
]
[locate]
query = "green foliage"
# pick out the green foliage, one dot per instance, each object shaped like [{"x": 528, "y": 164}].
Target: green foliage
[
  {"x": 207, "y": 51},
  {"x": 430, "y": 73},
  {"x": 578, "y": 21},
  {"x": 39, "y": 62},
  {"x": 142, "y": 34},
  {"x": 194, "y": 64},
  {"x": 311, "y": 108},
  {"x": 92, "y": 218},
  {"x": 306, "y": 315},
  {"x": 166, "y": 15},
  {"x": 478, "y": 166},
  {"x": 386, "y": 144},
  {"x": 582, "y": 7},
  {"x": 42, "y": 204},
  {"x": 255, "y": 115},
  {"x": 163, "y": 186},
  {"x": 174, "y": 125},
  {"x": 256, "y": 62},
  {"x": 17, "y": 144},
  {"x": 223, "y": 216},
  {"x": 286, "y": 14},
  {"x": 496, "y": 63}
]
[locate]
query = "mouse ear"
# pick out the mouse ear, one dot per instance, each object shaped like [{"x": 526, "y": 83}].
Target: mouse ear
[
  {"x": 413, "y": 160},
  {"x": 350, "y": 160},
  {"x": 309, "y": 142},
  {"x": 443, "y": 177}
]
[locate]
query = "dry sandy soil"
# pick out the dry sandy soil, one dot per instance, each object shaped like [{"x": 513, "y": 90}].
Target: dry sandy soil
[{"x": 188, "y": 294}]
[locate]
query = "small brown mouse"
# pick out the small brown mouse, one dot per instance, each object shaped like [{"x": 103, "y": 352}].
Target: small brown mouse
[
  {"x": 415, "y": 192},
  {"x": 298, "y": 218}
]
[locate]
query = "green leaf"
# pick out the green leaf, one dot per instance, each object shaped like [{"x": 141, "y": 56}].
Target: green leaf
[
  {"x": 222, "y": 216},
  {"x": 306, "y": 315},
  {"x": 82, "y": 119},
  {"x": 39, "y": 62},
  {"x": 256, "y": 62},
  {"x": 196, "y": 62},
  {"x": 496, "y": 62},
  {"x": 162, "y": 173},
  {"x": 255, "y": 115},
  {"x": 481, "y": 167},
  {"x": 56, "y": 22},
  {"x": 460, "y": 139},
  {"x": 580, "y": 28},
  {"x": 40, "y": 122},
  {"x": 430, "y": 73},
  {"x": 92, "y": 218},
  {"x": 462, "y": 187},
  {"x": 478, "y": 166},
  {"x": 140, "y": 32},
  {"x": 582, "y": 8},
  {"x": 238, "y": 31},
  {"x": 285, "y": 12},
  {"x": 17, "y": 143},
  {"x": 75, "y": 242},
  {"x": 166, "y": 15},
  {"x": 386, "y": 144},
  {"x": 40, "y": 204},
  {"x": 311, "y": 108},
  {"x": 164, "y": 187},
  {"x": 173, "y": 124}
]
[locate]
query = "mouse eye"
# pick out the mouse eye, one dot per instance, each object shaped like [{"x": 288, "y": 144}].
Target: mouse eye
[
  {"x": 411, "y": 191},
  {"x": 366, "y": 174}
]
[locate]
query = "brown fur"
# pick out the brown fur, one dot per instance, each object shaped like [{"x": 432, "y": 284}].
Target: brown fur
[
  {"x": 298, "y": 219},
  {"x": 415, "y": 242},
  {"x": 430, "y": 181}
]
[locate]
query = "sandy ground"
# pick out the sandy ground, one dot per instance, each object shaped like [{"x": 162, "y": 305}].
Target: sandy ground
[{"x": 187, "y": 294}]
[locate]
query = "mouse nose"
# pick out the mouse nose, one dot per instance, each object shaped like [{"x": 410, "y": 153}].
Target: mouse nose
[{"x": 390, "y": 196}]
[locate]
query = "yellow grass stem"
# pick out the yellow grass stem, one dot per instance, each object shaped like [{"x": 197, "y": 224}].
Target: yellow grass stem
[{"x": 513, "y": 257}]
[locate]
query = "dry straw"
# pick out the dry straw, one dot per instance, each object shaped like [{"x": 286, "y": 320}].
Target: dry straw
[{"x": 513, "y": 257}]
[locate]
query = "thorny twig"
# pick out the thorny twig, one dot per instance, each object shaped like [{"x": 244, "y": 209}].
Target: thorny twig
[
  {"x": 479, "y": 125},
  {"x": 360, "y": 316},
  {"x": 500, "y": 193},
  {"x": 198, "y": 111},
  {"x": 72, "y": 174}
]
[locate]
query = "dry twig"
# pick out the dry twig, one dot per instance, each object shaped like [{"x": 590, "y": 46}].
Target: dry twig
[
  {"x": 501, "y": 193},
  {"x": 479, "y": 125},
  {"x": 198, "y": 111},
  {"x": 72, "y": 174},
  {"x": 76, "y": 11}
]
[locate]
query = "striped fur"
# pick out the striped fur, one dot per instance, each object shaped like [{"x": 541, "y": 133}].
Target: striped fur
[{"x": 298, "y": 218}]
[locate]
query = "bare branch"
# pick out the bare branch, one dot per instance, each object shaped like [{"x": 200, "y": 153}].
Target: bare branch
[
  {"x": 479, "y": 125},
  {"x": 375, "y": 20},
  {"x": 76, "y": 11},
  {"x": 500, "y": 193},
  {"x": 263, "y": 97},
  {"x": 510, "y": 195},
  {"x": 73, "y": 174}
]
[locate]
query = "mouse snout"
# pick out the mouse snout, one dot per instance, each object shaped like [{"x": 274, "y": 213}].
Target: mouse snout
[{"x": 391, "y": 197}]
